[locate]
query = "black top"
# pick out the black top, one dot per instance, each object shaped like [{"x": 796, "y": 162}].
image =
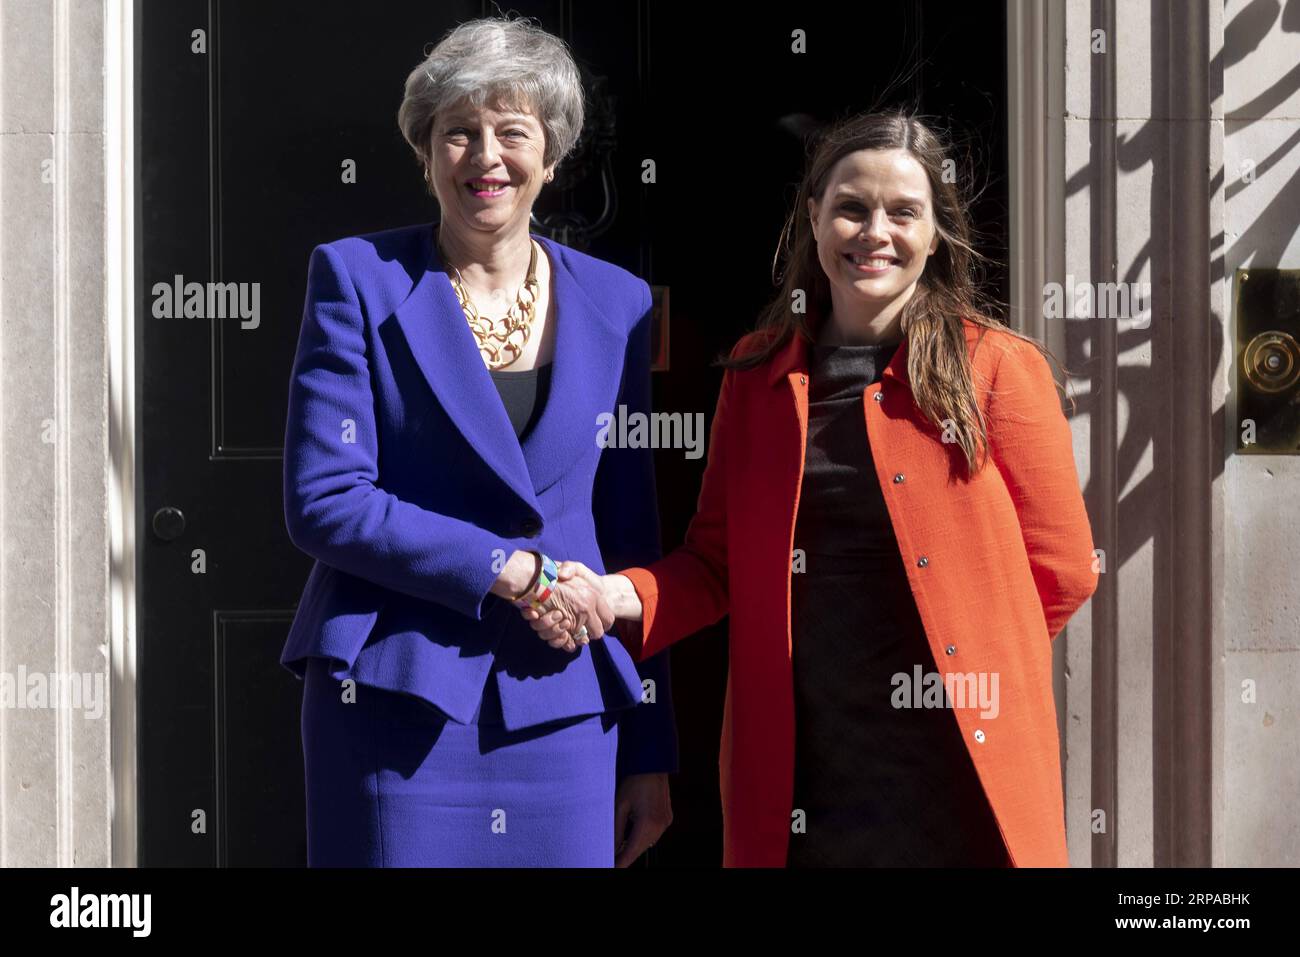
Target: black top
[
  {"x": 523, "y": 394},
  {"x": 880, "y": 785}
]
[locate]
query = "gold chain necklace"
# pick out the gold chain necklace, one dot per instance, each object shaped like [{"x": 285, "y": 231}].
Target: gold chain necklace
[{"x": 518, "y": 322}]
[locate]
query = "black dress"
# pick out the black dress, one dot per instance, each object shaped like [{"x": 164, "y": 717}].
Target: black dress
[
  {"x": 524, "y": 395},
  {"x": 880, "y": 786}
]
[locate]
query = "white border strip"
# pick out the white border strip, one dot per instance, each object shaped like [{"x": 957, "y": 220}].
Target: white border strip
[
  {"x": 4, "y": 784},
  {"x": 60, "y": 253},
  {"x": 119, "y": 314}
]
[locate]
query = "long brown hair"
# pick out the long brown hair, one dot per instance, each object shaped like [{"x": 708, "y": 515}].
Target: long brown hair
[{"x": 950, "y": 287}]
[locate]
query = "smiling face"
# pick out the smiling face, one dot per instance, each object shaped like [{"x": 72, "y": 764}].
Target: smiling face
[
  {"x": 874, "y": 229},
  {"x": 487, "y": 166}
]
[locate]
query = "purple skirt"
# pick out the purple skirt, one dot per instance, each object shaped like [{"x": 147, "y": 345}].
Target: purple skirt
[{"x": 393, "y": 782}]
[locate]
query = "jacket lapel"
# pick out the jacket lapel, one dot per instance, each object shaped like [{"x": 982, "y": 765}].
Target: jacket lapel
[
  {"x": 585, "y": 377},
  {"x": 447, "y": 354}
]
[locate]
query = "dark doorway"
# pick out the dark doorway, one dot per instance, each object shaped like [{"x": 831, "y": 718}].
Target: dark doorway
[{"x": 243, "y": 130}]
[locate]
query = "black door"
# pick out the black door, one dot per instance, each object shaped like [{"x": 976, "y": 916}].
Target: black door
[{"x": 248, "y": 114}]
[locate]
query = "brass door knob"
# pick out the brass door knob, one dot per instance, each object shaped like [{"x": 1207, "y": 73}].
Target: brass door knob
[{"x": 1271, "y": 362}]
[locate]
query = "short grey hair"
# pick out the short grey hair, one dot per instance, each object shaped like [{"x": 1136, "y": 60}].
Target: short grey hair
[{"x": 483, "y": 61}]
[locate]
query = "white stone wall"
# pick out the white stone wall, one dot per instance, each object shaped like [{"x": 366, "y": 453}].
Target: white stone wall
[
  {"x": 1261, "y": 593},
  {"x": 1252, "y": 631},
  {"x": 55, "y": 778}
]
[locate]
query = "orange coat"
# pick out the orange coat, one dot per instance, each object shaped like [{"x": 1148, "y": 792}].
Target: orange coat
[{"x": 997, "y": 565}]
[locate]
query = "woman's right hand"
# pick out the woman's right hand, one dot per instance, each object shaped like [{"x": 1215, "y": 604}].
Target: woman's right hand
[{"x": 618, "y": 590}]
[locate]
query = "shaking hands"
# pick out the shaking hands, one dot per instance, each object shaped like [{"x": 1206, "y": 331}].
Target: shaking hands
[{"x": 580, "y": 598}]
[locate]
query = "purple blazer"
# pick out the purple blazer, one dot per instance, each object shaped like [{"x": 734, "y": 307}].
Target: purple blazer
[{"x": 403, "y": 478}]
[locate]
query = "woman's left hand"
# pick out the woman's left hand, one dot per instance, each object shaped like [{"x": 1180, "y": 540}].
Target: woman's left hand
[{"x": 642, "y": 799}]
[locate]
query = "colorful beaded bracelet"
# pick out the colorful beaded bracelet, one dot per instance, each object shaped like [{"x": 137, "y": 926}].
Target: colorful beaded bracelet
[{"x": 536, "y": 594}]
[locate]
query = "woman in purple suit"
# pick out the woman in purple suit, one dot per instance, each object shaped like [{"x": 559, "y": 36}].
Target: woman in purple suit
[{"x": 441, "y": 455}]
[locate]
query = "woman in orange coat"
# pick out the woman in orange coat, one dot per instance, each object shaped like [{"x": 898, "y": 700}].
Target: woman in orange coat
[{"x": 891, "y": 515}]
